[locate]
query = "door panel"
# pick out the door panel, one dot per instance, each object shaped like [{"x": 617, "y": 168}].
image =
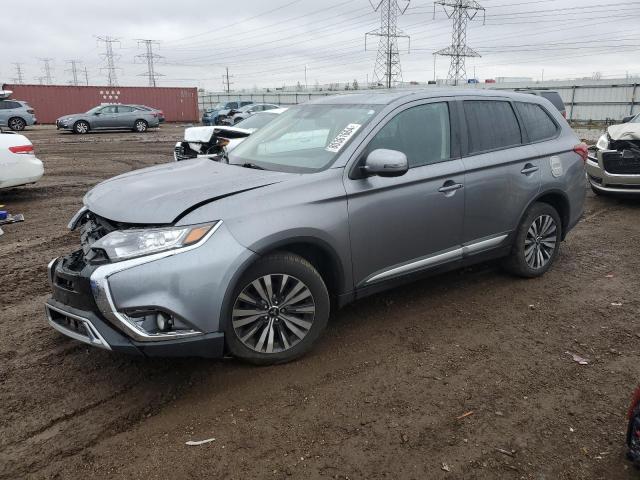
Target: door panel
[
  {"x": 498, "y": 187},
  {"x": 394, "y": 221}
]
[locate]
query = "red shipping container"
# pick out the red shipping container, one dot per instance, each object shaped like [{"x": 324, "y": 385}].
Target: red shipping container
[{"x": 53, "y": 101}]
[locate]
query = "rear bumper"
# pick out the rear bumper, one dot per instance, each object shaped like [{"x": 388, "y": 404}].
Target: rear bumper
[{"x": 28, "y": 170}]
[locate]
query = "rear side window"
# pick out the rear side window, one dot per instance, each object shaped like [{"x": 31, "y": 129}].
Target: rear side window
[
  {"x": 122, "y": 109},
  {"x": 491, "y": 125},
  {"x": 537, "y": 122},
  {"x": 422, "y": 133},
  {"x": 9, "y": 105}
]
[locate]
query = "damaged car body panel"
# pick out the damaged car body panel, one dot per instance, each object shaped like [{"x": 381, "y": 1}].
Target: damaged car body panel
[
  {"x": 614, "y": 167},
  {"x": 208, "y": 142}
]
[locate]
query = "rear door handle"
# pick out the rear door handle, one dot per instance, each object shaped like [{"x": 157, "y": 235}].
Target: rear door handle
[
  {"x": 450, "y": 187},
  {"x": 529, "y": 169}
]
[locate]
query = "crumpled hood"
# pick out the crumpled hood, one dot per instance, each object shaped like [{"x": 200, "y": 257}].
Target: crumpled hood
[
  {"x": 161, "y": 194},
  {"x": 626, "y": 131}
]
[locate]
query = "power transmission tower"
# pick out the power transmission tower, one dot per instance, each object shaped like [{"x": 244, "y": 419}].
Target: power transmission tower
[
  {"x": 461, "y": 11},
  {"x": 226, "y": 83},
  {"x": 86, "y": 76},
  {"x": 46, "y": 68},
  {"x": 19, "y": 79},
  {"x": 74, "y": 72},
  {"x": 110, "y": 58},
  {"x": 387, "y": 69},
  {"x": 150, "y": 58}
]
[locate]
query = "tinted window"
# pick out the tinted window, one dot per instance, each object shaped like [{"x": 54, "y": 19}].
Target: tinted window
[
  {"x": 110, "y": 109},
  {"x": 537, "y": 122},
  {"x": 8, "y": 105},
  {"x": 422, "y": 133},
  {"x": 122, "y": 109},
  {"x": 555, "y": 98},
  {"x": 491, "y": 125}
]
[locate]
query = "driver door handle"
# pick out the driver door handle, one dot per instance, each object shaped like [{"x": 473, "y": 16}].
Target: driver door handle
[{"x": 450, "y": 187}]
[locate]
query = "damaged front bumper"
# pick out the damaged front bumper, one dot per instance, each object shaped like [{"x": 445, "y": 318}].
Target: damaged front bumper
[
  {"x": 115, "y": 306},
  {"x": 612, "y": 171}
]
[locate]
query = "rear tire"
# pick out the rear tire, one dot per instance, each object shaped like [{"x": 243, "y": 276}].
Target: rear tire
[
  {"x": 81, "y": 127},
  {"x": 17, "y": 124},
  {"x": 280, "y": 308},
  {"x": 537, "y": 242},
  {"x": 140, "y": 126}
]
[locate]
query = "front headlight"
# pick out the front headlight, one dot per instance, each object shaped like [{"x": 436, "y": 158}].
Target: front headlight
[
  {"x": 125, "y": 244},
  {"x": 603, "y": 142}
]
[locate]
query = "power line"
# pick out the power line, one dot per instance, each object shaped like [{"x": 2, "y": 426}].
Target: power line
[
  {"x": 387, "y": 70},
  {"x": 461, "y": 12},
  {"x": 150, "y": 58},
  {"x": 73, "y": 71},
  {"x": 19, "y": 79},
  {"x": 110, "y": 58},
  {"x": 46, "y": 68}
]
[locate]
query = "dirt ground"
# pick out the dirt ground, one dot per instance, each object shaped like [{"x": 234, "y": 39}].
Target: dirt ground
[{"x": 382, "y": 396}]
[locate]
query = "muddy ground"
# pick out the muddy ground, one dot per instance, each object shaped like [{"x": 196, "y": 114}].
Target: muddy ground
[{"x": 382, "y": 395}]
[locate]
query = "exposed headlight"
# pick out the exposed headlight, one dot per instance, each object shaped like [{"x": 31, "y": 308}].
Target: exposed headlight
[
  {"x": 603, "y": 142},
  {"x": 124, "y": 244}
]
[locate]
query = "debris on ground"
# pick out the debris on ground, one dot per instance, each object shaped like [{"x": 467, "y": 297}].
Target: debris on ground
[
  {"x": 616, "y": 304},
  {"x": 192, "y": 443},
  {"x": 509, "y": 453},
  {"x": 578, "y": 358},
  {"x": 446, "y": 467},
  {"x": 465, "y": 415}
]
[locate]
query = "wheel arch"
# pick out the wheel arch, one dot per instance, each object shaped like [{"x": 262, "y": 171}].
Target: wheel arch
[{"x": 558, "y": 200}]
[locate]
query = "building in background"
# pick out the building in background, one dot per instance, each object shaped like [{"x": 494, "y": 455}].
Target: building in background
[{"x": 53, "y": 101}]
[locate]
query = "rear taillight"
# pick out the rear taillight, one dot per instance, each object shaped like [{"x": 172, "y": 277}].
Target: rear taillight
[
  {"x": 582, "y": 150},
  {"x": 26, "y": 149}
]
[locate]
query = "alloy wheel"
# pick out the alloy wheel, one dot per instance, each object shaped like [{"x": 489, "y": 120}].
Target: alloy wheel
[
  {"x": 141, "y": 126},
  {"x": 273, "y": 313},
  {"x": 16, "y": 124},
  {"x": 540, "y": 242},
  {"x": 82, "y": 127}
]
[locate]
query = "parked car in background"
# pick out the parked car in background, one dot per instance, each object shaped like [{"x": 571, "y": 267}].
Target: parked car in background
[
  {"x": 551, "y": 95},
  {"x": 110, "y": 117},
  {"x": 211, "y": 115},
  {"x": 613, "y": 166},
  {"x": 334, "y": 200},
  {"x": 245, "y": 112},
  {"x": 15, "y": 114},
  {"x": 151, "y": 109},
  {"x": 18, "y": 163},
  {"x": 210, "y": 142}
]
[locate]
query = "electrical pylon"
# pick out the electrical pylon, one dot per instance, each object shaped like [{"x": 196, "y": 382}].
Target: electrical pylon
[
  {"x": 387, "y": 70},
  {"x": 461, "y": 11}
]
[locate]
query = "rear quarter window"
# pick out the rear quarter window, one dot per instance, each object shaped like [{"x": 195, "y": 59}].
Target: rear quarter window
[
  {"x": 537, "y": 122},
  {"x": 554, "y": 98},
  {"x": 491, "y": 125}
]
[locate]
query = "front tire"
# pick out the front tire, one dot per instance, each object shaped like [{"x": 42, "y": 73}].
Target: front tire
[
  {"x": 81, "y": 127},
  {"x": 537, "y": 242},
  {"x": 280, "y": 308},
  {"x": 140, "y": 126},
  {"x": 17, "y": 124}
]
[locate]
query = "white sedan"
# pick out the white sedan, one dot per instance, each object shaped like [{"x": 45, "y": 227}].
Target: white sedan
[{"x": 18, "y": 163}]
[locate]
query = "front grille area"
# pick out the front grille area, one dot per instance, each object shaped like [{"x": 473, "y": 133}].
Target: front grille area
[
  {"x": 75, "y": 327},
  {"x": 183, "y": 152},
  {"x": 626, "y": 162}
]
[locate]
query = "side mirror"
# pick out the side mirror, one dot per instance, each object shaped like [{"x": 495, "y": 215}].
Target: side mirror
[
  {"x": 628, "y": 119},
  {"x": 386, "y": 163},
  {"x": 97, "y": 113}
]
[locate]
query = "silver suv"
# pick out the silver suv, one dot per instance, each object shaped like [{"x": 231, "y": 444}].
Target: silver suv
[
  {"x": 16, "y": 114},
  {"x": 334, "y": 200}
]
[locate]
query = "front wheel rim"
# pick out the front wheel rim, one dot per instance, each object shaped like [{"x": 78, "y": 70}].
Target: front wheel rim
[
  {"x": 273, "y": 313},
  {"x": 540, "y": 242},
  {"x": 82, "y": 128}
]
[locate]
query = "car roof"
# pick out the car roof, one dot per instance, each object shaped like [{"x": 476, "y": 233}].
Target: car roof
[
  {"x": 273, "y": 110},
  {"x": 387, "y": 97}
]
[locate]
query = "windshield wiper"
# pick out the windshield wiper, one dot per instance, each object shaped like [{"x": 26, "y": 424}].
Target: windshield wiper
[{"x": 252, "y": 165}]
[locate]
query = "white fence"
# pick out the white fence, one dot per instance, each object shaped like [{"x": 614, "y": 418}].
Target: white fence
[{"x": 586, "y": 101}]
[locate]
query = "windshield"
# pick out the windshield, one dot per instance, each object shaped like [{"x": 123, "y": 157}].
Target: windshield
[
  {"x": 217, "y": 106},
  {"x": 95, "y": 109},
  {"x": 256, "y": 121},
  {"x": 305, "y": 138}
]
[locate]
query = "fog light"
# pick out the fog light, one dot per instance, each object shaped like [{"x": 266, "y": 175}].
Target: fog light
[{"x": 164, "y": 322}]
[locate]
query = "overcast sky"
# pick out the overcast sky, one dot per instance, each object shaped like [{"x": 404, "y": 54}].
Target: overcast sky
[{"x": 268, "y": 44}]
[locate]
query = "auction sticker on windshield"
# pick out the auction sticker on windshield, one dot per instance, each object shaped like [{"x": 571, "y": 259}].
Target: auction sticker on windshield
[{"x": 343, "y": 137}]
